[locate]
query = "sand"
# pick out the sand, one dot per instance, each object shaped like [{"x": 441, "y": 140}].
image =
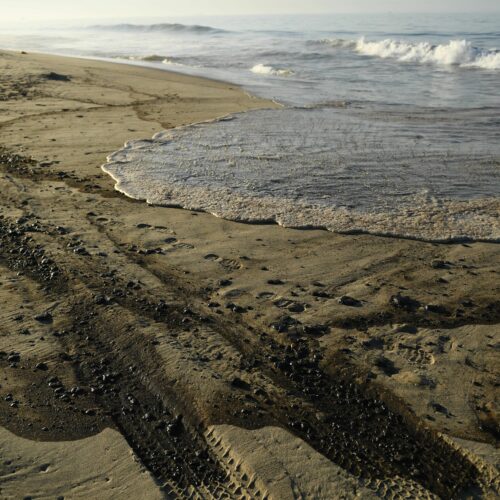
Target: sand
[
  {"x": 177, "y": 326},
  {"x": 101, "y": 466}
]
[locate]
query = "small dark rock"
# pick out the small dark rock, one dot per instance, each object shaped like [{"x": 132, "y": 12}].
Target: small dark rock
[
  {"x": 345, "y": 300},
  {"x": 80, "y": 251},
  {"x": 56, "y": 77},
  {"x": 42, "y": 366},
  {"x": 275, "y": 282},
  {"x": 373, "y": 343},
  {"x": 296, "y": 307},
  {"x": 404, "y": 302},
  {"x": 14, "y": 357},
  {"x": 45, "y": 317},
  {"x": 284, "y": 323},
  {"x": 316, "y": 330},
  {"x": 240, "y": 384},
  {"x": 102, "y": 300},
  {"x": 441, "y": 409},
  {"x": 436, "y": 309},
  {"x": 440, "y": 264},
  {"x": 175, "y": 428},
  {"x": 235, "y": 308}
]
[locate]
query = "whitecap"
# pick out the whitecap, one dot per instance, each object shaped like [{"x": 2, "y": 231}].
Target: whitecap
[
  {"x": 454, "y": 53},
  {"x": 263, "y": 69}
]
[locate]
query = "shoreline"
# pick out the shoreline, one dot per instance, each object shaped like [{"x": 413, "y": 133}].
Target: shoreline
[{"x": 215, "y": 329}]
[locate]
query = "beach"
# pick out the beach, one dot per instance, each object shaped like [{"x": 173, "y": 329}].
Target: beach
[{"x": 214, "y": 357}]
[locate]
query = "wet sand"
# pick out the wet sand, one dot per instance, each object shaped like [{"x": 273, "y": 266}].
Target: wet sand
[{"x": 206, "y": 343}]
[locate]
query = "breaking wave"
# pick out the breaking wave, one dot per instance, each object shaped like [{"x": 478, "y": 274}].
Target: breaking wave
[
  {"x": 263, "y": 69},
  {"x": 456, "y": 52},
  {"x": 169, "y": 60}
]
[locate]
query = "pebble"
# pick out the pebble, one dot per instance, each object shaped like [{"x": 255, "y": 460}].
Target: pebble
[
  {"x": 345, "y": 300},
  {"x": 58, "y": 77},
  {"x": 275, "y": 282},
  {"x": 316, "y": 330},
  {"x": 283, "y": 324},
  {"x": 436, "y": 309},
  {"x": 102, "y": 300},
  {"x": 175, "y": 428},
  {"x": 45, "y": 317},
  {"x": 235, "y": 308},
  {"x": 440, "y": 264},
  {"x": 240, "y": 384},
  {"x": 404, "y": 302},
  {"x": 373, "y": 343},
  {"x": 441, "y": 409},
  {"x": 296, "y": 308},
  {"x": 80, "y": 251}
]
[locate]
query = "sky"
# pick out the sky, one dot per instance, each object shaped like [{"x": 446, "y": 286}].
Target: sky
[{"x": 40, "y": 10}]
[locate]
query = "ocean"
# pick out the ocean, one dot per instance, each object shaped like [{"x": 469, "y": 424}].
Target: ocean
[{"x": 390, "y": 123}]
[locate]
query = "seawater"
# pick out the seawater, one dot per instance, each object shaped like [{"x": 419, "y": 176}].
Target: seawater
[{"x": 391, "y": 122}]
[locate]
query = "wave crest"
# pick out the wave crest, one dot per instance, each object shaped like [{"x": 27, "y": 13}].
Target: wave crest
[
  {"x": 264, "y": 69},
  {"x": 169, "y": 60},
  {"x": 454, "y": 53},
  {"x": 158, "y": 28}
]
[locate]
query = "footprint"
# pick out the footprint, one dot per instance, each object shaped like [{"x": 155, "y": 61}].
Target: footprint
[
  {"x": 230, "y": 264},
  {"x": 211, "y": 256},
  {"x": 186, "y": 246},
  {"x": 416, "y": 355}
]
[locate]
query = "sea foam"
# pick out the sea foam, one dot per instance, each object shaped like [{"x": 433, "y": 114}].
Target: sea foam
[
  {"x": 433, "y": 177},
  {"x": 264, "y": 69},
  {"x": 456, "y": 52}
]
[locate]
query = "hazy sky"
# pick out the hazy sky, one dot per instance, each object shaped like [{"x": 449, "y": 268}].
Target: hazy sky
[{"x": 30, "y": 10}]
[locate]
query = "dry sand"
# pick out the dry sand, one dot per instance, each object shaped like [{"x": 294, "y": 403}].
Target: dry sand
[{"x": 156, "y": 313}]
